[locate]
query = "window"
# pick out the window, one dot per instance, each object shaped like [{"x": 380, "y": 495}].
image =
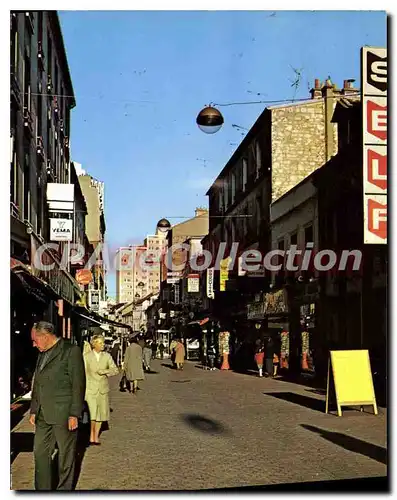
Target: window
[
  {"x": 220, "y": 195},
  {"x": 309, "y": 234},
  {"x": 226, "y": 194},
  {"x": 233, "y": 196},
  {"x": 14, "y": 177},
  {"x": 294, "y": 239},
  {"x": 26, "y": 187},
  {"x": 258, "y": 159},
  {"x": 14, "y": 46},
  {"x": 39, "y": 228},
  {"x": 245, "y": 173},
  {"x": 49, "y": 52},
  {"x": 39, "y": 116},
  {"x": 26, "y": 85},
  {"x": 281, "y": 244}
]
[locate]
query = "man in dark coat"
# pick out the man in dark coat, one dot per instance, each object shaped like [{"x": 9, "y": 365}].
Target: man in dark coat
[{"x": 57, "y": 403}]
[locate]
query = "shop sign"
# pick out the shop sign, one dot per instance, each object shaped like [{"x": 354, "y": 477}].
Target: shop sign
[
  {"x": 83, "y": 277},
  {"x": 193, "y": 283},
  {"x": 61, "y": 229},
  {"x": 256, "y": 310},
  {"x": 210, "y": 282},
  {"x": 276, "y": 303},
  {"x": 174, "y": 277},
  {"x": 374, "y": 112},
  {"x": 224, "y": 273}
]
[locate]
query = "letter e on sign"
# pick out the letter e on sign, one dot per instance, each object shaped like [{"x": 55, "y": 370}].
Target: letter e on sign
[{"x": 377, "y": 120}]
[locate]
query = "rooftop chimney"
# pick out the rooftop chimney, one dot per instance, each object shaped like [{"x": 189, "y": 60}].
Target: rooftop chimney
[
  {"x": 201, "y": 212},
  {"x": 316, "y": 91},
  {"x": 348, "y": 88}
]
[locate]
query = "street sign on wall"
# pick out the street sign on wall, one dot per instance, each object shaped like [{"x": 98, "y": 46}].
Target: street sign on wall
[
  {"x": 210, "y": 282},
  {"x": 374, "y": 107}
]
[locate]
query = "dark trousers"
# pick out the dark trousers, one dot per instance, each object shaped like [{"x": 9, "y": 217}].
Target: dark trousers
[
  {"x": 269, "y": 366},
  {"x": 46, "y": 436}
]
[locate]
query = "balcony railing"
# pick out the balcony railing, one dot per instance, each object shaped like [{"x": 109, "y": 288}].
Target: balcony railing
[
  {"x": 40, "y": 55},
  {"x": 40, "y": 147},
  {"x": 28, "y": 120},
  {"x": 14, "y": 210}
]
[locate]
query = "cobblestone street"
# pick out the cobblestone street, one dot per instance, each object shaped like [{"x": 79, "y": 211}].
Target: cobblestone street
[{"x": 198, "y": 429}]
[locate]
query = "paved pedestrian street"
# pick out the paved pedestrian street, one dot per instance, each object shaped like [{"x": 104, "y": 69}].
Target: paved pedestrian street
[{"x": 199, "y": 429}]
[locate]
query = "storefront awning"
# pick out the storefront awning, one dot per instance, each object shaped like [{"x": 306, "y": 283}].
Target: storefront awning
[{"x": 100, "y": 320}]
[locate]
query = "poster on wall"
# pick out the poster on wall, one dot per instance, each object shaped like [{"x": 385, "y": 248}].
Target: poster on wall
[
  {"x": 374, "y": 112},
  {"x": 193, "y": 283}
]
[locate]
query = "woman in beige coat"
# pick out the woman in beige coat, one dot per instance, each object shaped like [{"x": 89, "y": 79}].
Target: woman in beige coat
[
  {"x": 99, "y": 366},
  {"x": 179, "y": 354},
  {"x": 133, "y": 364}
]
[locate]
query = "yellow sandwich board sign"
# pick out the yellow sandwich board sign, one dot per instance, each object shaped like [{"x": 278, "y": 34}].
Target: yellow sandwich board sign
[{"x": 352, "y": 376}]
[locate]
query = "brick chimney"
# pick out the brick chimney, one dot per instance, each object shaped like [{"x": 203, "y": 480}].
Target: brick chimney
[
  {"x": 316, "y": 90},
  {"x": 201, "y": 212},
  {"x": 348, "y": 88}
]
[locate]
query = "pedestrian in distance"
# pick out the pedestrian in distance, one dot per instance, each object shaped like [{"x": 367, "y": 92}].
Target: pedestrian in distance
[
  {"x": 270, "y": 350},
  {"x": 161, "y": 349},
  {"x": 154, "y": 349},
  {"x": 211, "y": 355},
  {"x": 99, "y": 365},
  {"x": 259, "y": 357},
  {"x": 57, "y": 404},
  {"x": 179, "y": 354},
  {"x": 116, "y": 351},
  {"x": 147, "y": 356},
  {"x": 133, "y": 364},
  {"x": 173, "y": 345}
]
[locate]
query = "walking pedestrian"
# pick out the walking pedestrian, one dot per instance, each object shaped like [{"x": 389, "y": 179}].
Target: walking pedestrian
[
  {"x": 211, "y": 355},
  {"x": 173, "y": 345},
  {"x": 154, "y": 349},
  {"x": 99, "y": 366},
  {"x": 147, "y": 356},
  {"x": 179, "y": 354},
  {"x": 57, "y": 403},
  {"x": 270, "y": 350},
  {"x": 133, "y": 364},
  {"x": 161, "y": 349},
  {"x": 259, "y": 356},
  {"x": 116, "y": 351}
]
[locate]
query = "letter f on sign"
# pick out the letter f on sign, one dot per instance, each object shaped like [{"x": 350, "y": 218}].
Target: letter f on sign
[{"x": 377, "y": 215}]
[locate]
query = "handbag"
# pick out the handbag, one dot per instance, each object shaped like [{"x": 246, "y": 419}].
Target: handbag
[{"x": 124, "y": 383}]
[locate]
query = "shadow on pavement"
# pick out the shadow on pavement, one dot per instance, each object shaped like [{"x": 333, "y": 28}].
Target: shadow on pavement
[
  {"x": 21, "y": 442},
  {"x": 321, "y": 392},
  {"x": 352, "y": 444},
  {"x": 204, "y": 424},
  {"x": 83, "y": 439},
  {"x": 299, "y": 399},
  {"x": 367, "y": 484},
  {"x": 18, "y": 411},
  {"x": 151, "y": 372},
  {"x": 171, "y": 367}
]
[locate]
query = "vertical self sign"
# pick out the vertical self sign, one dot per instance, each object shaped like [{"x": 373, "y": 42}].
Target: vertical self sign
[{"x": 374, "y": 108}]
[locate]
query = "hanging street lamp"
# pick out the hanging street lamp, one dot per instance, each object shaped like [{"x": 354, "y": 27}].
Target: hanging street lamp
[{"x": 209, "y": 120}]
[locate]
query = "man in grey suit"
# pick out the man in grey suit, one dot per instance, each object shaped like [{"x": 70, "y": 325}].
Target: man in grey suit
[{"x": 57, "y": 403}]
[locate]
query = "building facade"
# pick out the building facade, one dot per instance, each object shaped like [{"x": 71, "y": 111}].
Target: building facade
[
  {"x": 41, "y": 100},
  {"x": 95, "y": 228},
  {"x": 285, "y": 145}
]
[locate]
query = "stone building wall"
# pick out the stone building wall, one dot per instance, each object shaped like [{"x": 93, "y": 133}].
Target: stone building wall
[{"x": 298, "y": 143}]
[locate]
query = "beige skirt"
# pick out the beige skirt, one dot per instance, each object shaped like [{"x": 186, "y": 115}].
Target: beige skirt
[{"x": 98, "y": 406}]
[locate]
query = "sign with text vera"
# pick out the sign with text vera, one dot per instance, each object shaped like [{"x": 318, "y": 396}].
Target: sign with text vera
[{"x": 374, "y": 112}]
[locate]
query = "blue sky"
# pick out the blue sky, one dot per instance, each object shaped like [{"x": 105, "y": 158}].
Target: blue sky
[{"x": 140, "y": 79}]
